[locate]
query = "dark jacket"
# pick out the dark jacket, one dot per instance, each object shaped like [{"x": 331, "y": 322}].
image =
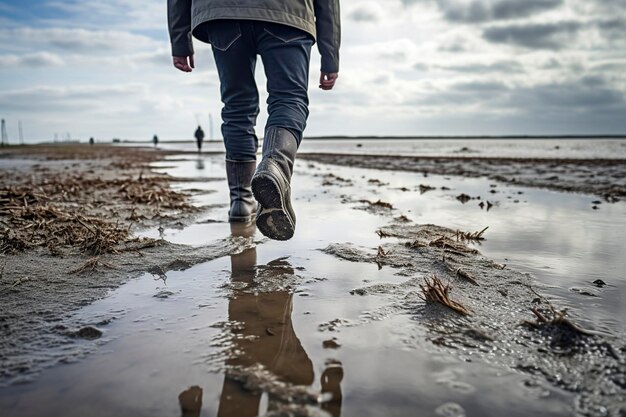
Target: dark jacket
[{"x": 320, "y": 18}]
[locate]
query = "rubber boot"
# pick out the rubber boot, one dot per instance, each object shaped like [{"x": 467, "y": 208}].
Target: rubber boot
[
  {"x": 271, "y": 185},
  {"x": 242, "y": 204}
]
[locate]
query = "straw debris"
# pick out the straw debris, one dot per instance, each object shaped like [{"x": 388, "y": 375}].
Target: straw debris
[
  {"x": 378, "y": 203},
  {"x": 450, "y": 245},
  {"x": 381, "y": 233},
  {"x": 91, "y": 265},
  {"x": 470, "y": 237},
  {"x": 85, "y": 211},
  {"x": 435, "y": 291}
]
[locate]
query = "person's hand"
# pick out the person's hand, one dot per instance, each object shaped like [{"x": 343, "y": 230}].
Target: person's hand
[
  {"x": 184, "y": 63},
  {"x": 327, "y": 80}
]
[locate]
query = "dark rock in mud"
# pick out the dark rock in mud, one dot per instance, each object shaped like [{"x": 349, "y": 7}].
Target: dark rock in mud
[
  {"x": 425, "y": 188},
  {"x": 599, "y": 283},
  {"x": 331, "y": 344},
  {"x": 89, "y": 333},
  {"x": 463, "y": 198}
]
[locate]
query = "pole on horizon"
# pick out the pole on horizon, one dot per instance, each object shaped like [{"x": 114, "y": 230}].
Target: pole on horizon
[
  {"x": 5, "y": 136},
  {"x": 211, "y": 126},
  {"x": 19, "y": 126}
]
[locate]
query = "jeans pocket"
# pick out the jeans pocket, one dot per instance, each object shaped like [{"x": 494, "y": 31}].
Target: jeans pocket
[
  {"x": 285, "y": 33},
  {"x": 222, "y": 34}
]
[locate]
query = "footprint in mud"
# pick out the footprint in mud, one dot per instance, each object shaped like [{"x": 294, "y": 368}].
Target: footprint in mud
[
  {"x": 584, "y": 291},
  {"x": 456, "y": 385},
  {"x": 450, "y": 410}
]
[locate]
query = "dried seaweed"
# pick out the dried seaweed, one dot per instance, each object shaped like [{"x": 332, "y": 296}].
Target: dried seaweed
[
  {"x": 447, "y": 243},
  {"x": 378, "y": 203},
  {"x": 465, "y": 275},
  {"x": 435, "y": 291},
  {"x": 83, "y": 211},
  {"x": 470, "y": 236},
  {"x": 15, "y": 284},
  {"x": 91, "y": 265}
]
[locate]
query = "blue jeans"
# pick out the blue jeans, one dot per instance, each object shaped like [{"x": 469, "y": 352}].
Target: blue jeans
[{"x": 286, "y": 53}]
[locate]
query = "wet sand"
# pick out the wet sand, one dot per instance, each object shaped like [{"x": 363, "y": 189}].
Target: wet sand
[
  {"x": 67, "y": 223},
  {"x": 333, "y": 322},
  {"x": 605, "y": 178}
]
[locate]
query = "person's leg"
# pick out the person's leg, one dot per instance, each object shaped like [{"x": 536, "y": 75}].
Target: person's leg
[
  {"x": 234, "y": 51},
  {"x": 286, "y": 54}
]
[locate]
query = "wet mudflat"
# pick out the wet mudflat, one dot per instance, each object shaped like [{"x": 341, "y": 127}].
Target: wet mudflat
[{"x": 334, "y": 322}]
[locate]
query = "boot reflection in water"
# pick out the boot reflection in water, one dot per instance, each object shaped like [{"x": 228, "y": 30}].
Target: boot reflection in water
[
  {"x": 331, "y": 384},
  {"x": 268, "y": 336},
  {"x": 190, "y": 401}
]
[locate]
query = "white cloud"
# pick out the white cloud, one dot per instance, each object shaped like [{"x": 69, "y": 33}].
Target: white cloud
[
  {"x": 34, "y": 60},
  {"x": 75, "y": 40},
  {"x": 407, "y": 67}
]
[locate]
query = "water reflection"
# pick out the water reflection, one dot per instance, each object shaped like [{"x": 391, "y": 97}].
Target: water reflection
[
  {"x": 267, "y": 337},
  {"x": 331, "y": 385},
  {"x": 200, "y": 164},
  {"x": 190, "y": 401}
]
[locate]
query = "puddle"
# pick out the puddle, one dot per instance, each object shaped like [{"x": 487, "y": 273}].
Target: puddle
[{"x": 201, "y": 333}]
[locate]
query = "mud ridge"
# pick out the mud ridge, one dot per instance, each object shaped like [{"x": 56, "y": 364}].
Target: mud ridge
[
  {"x": 505, "y": 321},
  {"x": 602, "y": 177}
]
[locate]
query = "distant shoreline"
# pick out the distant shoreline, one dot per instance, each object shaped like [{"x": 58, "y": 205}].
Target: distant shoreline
[{"x": 344, "y": 137}]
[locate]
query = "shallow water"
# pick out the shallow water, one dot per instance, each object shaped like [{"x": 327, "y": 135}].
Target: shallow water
[
  {"x": 155, "y": 348},
  {"x": 581, "y": 148}
]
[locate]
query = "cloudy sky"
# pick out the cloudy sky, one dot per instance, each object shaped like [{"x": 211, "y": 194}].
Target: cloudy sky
[{"x": 409, "y": 67}]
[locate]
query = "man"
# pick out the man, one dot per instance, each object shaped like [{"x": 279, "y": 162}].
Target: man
[
  {"x": 282, "y": 32},
  {"x": 199, "y": 134}
]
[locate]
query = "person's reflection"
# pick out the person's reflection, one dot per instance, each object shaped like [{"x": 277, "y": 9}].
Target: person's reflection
[
  {"x": 190, "y": 401},
  {"x": 268, "y": 336},
  {"x": 331, "y": 383},
  {"x": 200, "y": 164}
]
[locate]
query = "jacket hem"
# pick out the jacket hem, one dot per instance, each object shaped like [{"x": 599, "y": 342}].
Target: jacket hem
[{"x": 201, "y": 16}]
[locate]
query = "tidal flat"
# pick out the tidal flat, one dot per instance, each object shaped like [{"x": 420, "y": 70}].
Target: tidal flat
[{"x": 405, "y": 291}]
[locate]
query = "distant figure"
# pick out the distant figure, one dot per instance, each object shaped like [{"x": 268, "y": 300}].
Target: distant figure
[
  {"x": 155, "y": 140},
  {"x": 199, "y": 138},
  {"x": 91, "y": 141}
]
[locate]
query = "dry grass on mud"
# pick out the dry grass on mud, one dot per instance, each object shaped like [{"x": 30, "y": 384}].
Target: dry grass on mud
[{"x": 84, "y": 209}]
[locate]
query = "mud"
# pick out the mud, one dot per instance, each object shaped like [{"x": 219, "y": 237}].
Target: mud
[
  {"x": 602, "y": 177},
  {"x": 98, "y": 197},
  {"x": 345, "y": 293},
  {"x": 498, "y": 327}
]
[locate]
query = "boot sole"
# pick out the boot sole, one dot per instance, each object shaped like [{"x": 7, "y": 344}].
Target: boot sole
[{"x": 273, "y": 218}]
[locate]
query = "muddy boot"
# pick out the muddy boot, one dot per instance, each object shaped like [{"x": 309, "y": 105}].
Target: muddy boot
[
  {"x": 242, "y": 204},
  {"x": 271, "y": 185}
]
